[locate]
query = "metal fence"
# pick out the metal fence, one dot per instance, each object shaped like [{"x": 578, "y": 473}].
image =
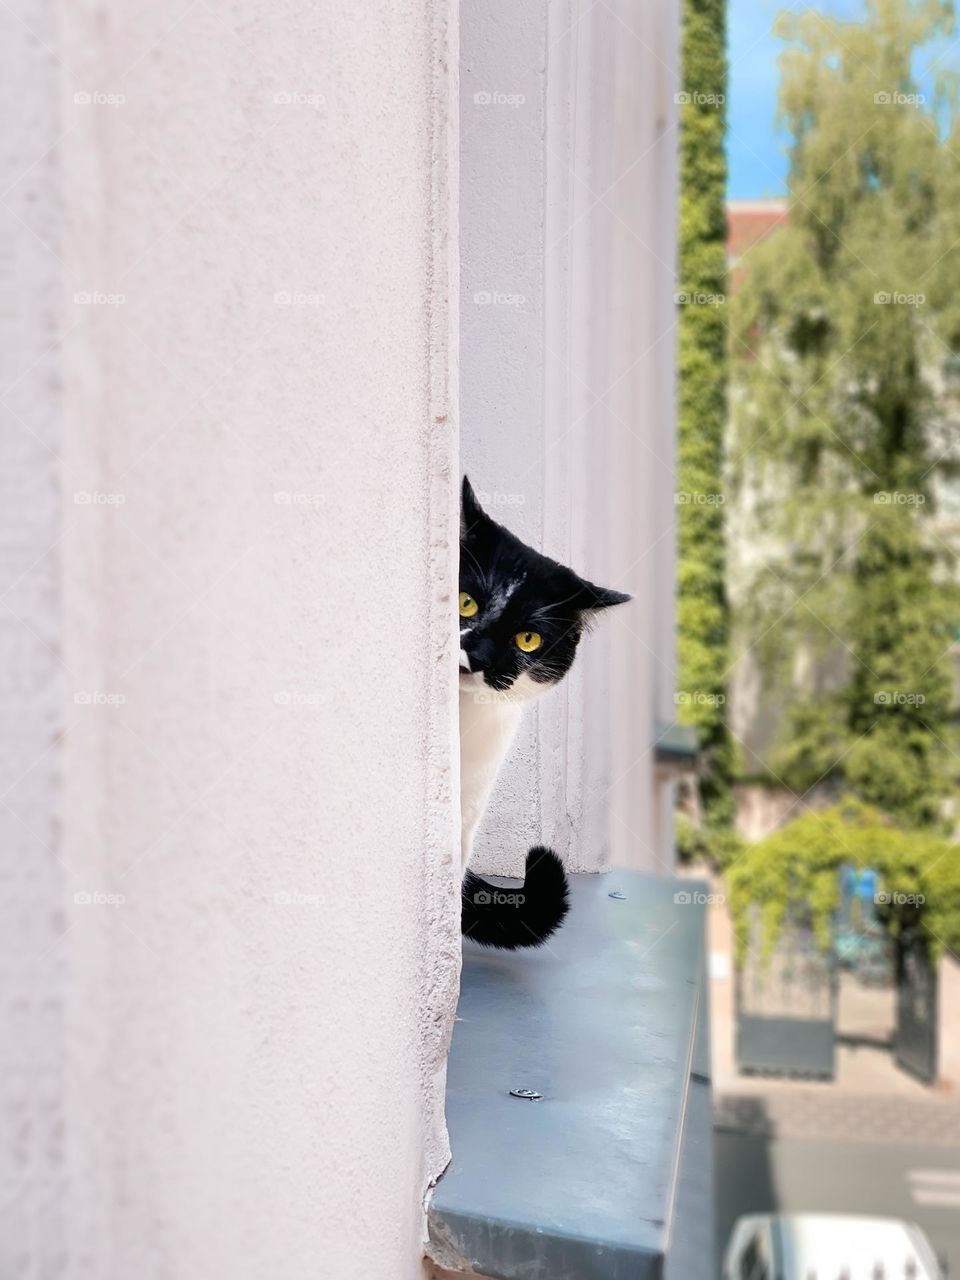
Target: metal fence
[{"x": 786, "y": 1004}]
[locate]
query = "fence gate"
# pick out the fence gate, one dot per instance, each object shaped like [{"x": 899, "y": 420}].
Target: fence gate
[
  {"x": 915, "y": 1038},
  {"x": 786, "y": 1005}
]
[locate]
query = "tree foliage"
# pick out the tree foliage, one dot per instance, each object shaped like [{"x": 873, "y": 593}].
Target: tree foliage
[
  {"x": 798, "y": 867},
  {"x": 841, "y": 421},
  {"x": 702, "y": 612},
  {"x": 718, "y": 847}
]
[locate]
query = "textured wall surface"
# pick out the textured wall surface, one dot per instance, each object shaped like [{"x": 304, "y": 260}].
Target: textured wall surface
[
  {"x": 244, "y": 935},
  {"x": 567, "y": 327},
  {"x": 32, "y": 922},
  {"x": 949, "y": 1024},
  {"x": 503, "y": 170}
]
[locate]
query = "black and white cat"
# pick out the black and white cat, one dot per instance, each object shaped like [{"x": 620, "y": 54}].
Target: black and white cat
[{"x": 521, "y": 619}]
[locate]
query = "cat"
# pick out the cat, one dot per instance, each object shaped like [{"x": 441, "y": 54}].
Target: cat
[{"x": 521, "y": 619}]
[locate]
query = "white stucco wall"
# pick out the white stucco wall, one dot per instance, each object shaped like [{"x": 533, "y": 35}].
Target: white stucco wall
[
  {"x": 32, "y": 1157},
  {"x": 949, "y": 1021},
  {"x": 568, "y": 195},
  {"x": 503, "y": 168},
  {"x": 238, "y": 1070}
]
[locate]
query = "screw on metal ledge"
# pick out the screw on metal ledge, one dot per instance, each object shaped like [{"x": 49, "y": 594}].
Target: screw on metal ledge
[
  {"x": 618, "y": 895},
  {"x": 530, "y": 1095}
]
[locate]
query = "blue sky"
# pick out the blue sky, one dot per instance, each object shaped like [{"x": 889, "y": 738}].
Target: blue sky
[{"x": 756, "y": 153}]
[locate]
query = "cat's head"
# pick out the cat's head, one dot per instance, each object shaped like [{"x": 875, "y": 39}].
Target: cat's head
[{"x": 521, "y": 613}]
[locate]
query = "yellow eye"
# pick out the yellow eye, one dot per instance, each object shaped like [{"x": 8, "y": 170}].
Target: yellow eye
[
  {"x": 528, "y": 641},
  {"x": 468, "y": 606}
]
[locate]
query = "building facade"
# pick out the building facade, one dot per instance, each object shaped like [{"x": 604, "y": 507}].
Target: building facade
[{"x": 232, "y": 394}]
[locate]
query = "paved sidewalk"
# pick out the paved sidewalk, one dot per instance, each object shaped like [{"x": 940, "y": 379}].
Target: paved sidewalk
[
  {"x": 871, "y": 1099},
  {"x": 820, "y": 1112},
  {"x": 864, "y": 1062}
]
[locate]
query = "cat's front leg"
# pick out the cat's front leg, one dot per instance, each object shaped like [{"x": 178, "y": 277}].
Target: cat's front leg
[
  {"x": 466, "y": 848},
  {"x": 488, "y": 722},
  {"x": 470, "y": 815}
]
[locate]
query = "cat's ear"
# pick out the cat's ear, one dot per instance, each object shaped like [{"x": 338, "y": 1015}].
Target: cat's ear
[
  {"x": 591, "y": 599},
  {"x": 471, "y": 512}
]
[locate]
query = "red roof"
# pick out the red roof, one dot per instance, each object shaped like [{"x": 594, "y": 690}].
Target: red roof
[{"x": 748, "y": 222}]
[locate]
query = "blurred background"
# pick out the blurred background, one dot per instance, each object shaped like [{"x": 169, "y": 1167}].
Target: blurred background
[
  {"x": 818, "y": 608},
  {"x": 676, "y": 284}
]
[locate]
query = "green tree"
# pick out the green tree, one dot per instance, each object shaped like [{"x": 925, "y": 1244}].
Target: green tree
[
  {"x": 702, "y": 610},
  {"x": 796, "y": 871},
  {"x": 841, "y": 424}
]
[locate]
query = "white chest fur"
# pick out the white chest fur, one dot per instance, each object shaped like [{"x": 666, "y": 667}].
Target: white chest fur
[{"x": 488, "y": 724}]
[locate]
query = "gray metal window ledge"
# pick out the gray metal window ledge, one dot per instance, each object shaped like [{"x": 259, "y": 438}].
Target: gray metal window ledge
[
  {"x": 607, "y": 1173},
  {"x": 675, "y": 744}
]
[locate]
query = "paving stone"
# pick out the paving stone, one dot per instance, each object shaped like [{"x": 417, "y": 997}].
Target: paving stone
[{"x": 818, "y": 1114}]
